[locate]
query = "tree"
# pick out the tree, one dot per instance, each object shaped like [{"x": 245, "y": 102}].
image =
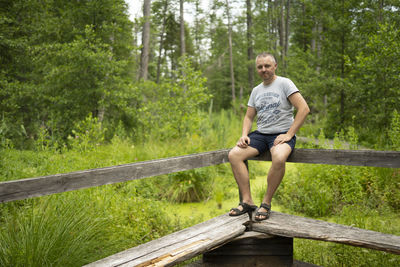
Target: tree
[
  {"x": 230, "y": 51},
  {"x": 182, "y": 28},
  {"x": 145, "y": 41},
  {"x": 250, "y": 52},
  {"x": 58, "y": 55},
  {"x": 162, "y": 33}
]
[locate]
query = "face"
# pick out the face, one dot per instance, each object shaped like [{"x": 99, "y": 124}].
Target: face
[{"x": 266, "y": 67}]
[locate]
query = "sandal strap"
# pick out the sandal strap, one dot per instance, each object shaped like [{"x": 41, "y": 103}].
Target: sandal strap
[
  {"x": 265, "y": 206},
  {"x": 235, "y": 210},
  {"x": 259, "y": 213}
]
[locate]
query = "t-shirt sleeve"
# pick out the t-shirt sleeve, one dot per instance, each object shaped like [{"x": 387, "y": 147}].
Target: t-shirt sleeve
[
  {"x": 290, "y": 88},
  {"x": 252, "y": 102}
]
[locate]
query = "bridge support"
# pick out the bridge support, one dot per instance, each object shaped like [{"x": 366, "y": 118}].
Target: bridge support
[{"x": 252, "y": 249}]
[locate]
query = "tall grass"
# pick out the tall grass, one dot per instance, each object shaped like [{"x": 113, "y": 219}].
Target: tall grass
[
  {"x": 78, "y": 227},
  {"x": 48, "y": 232}
]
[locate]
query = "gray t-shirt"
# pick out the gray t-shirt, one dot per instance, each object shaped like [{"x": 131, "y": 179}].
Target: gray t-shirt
[{"x": 274, "y": 110}]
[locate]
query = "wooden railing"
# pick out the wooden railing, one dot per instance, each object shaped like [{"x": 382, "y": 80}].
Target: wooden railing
[
  {"x": 46, "y": 185},
  {"x": 203, "y": 237}
]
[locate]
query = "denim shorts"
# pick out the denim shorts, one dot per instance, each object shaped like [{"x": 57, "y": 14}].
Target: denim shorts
[{"x": 262, "y": 142}]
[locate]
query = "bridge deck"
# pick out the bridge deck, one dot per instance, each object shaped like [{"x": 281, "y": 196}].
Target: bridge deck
[
  {"x": 198, "y": 239},
  {"x": 181, "y": 245}
]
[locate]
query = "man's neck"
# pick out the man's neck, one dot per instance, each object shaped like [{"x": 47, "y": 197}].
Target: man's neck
[{"x": 268, "y": 82}]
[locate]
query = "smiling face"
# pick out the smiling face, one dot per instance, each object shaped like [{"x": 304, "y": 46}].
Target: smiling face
[{"x": 266, "y": 67}]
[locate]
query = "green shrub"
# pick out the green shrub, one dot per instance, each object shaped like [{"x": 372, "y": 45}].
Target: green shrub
[
  {"x": 87, "y": 134},
  {"x": 394, "y": 131},
  {"x": 173, "y": 108},
  {"x": 48, "y": 232},
  {"x": 189, "y": 186},
  {"x": 75, "y": 228}
]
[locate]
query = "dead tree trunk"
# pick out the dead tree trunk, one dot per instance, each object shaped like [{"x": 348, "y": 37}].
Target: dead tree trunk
[{"x": 144, "y": 60}]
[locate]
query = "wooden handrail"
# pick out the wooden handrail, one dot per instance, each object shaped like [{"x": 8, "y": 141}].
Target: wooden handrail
[
  {"x": 46, "y": 185},
  {"x": 369, "y": 158}
]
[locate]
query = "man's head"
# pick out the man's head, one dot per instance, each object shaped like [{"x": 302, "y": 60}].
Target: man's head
[{"x": 266, "y": 66}]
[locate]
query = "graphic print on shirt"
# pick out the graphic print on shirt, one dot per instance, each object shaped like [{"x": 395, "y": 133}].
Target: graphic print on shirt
[{"x": 267, "y": 106}]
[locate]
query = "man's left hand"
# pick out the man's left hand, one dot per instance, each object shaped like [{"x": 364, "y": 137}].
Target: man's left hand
[{"x": 282, "y": 138}]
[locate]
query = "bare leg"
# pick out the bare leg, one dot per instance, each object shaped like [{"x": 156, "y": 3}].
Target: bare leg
[
  {"x": 237, "y": 156},
  {"x": 279, "y": 155}
]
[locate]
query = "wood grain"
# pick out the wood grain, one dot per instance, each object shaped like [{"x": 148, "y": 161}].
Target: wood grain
[
  {"x": 180, "y": 246},
  {"x": 300, "y": 227},
  {"x": 46, "y": 185}
]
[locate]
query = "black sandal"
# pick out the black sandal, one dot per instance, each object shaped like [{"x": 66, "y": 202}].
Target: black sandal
[
  {"x": 265, "y": 214},
  {"x": 246, "y": 209}
]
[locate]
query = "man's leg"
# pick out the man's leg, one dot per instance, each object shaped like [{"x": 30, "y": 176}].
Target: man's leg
[
  {"x": 279, "y": 155},
  {"x": 237, "y": 156}
]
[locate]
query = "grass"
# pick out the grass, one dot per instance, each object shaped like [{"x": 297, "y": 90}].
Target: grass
[{"x": 126, "y": 214}]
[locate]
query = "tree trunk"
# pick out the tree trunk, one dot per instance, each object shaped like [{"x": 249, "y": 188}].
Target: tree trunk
[
  {"x": 281, "y": 31},
  {"x": 161, "y": 40},
  {"x": 230, "y": 51},
  {"x": 250, "y": 53},
  {"x": 342, "y": 73},
  {"x": 198, "y": 11},
  {"x": 182, "y": 24},
  {"x": 144, "y": 60},
  {"x": 287, "y": 20}
]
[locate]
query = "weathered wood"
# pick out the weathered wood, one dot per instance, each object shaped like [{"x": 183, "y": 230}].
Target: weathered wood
[
  {"x": 180, "y": 246},
  {"x": 45, "y": 185},
  {"x": 252, "y": 249},
  {"x": 371, "y": 158},
  {"x": 299, "y": 227}
]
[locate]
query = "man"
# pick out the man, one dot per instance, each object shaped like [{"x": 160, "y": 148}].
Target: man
[{"x": 272, "y": 101}]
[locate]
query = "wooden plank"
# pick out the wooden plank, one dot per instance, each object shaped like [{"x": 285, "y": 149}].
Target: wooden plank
[
  {"x": 45, "y": 185},
  {"x": 179, "y": 246},
  {"x": 252, "y": 249},
  {"x": 299, "y": 227},
  {"x": 371, "y": 158}
]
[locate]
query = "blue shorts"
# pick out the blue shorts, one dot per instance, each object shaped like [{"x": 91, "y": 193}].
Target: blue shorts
[{"x": 262, "y": 142}]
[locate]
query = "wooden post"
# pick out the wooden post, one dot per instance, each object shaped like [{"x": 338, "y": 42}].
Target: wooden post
[{"x": 252, "y": 249}]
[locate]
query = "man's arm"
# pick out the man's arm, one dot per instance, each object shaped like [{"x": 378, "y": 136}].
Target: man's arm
[
  {"x": 302, "y": 108},
  {"x": 244, "y": 141}
]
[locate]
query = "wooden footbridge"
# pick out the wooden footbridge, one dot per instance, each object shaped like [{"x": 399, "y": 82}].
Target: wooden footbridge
[{"x": 224, "y": 240}]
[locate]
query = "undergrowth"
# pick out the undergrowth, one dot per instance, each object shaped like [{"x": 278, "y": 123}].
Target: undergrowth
[{"x": 79, "y": 227}]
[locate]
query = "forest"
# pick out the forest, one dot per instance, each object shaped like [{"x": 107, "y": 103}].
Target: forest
[{"x": 83, "y": 85}]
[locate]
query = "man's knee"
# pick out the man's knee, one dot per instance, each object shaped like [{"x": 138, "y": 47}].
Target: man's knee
[
  {"x": 233, "y": 154},
  {"x": 280, "y": 154},
  {"x": 279, "y": 160}
]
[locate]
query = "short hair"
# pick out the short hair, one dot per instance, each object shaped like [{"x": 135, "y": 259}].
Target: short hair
[{"x": 266, "y": 54}]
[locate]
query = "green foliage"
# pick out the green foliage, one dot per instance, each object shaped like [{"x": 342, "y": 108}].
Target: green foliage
[
  {"x": 61, "y": 231},
  {"x": 331, "y": 254},
  {"x": 87, "y": 134},
  {"x": 173, "y": 108},
  {"x": 47, "y": 232},
  {"x": 376, "y": 80},
  {"x": 320, "y": 191},
  {"x": 394, "y": 131},
  {"x": 189, "y": 186},
  {"x": 60, "y": 61}
]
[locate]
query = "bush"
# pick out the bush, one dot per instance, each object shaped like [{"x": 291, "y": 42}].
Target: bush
[
  {"x": 173, "y": 108},
  {"x": 189, "y": 186},
  {"x": 48, "y": 232},
  {"x": 323, "y": 190},
  {"x": 76, "y": 228}
]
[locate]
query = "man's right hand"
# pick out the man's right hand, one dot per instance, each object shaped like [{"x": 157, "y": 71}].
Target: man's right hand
[{"x": 243, "y": 142}]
